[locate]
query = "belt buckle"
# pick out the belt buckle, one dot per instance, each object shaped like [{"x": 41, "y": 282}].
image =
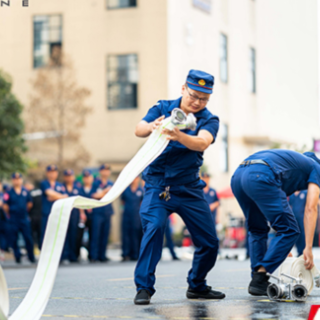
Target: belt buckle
[{"x": 247, "y": 163}]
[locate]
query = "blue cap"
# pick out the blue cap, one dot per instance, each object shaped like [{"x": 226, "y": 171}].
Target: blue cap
[
  {"x": 312, "y": 156},
  {"x": 105, "y": 167},
  {"x": 86, "y": 173},
  {"x": 200, "y": 81},
  {"x": 68, "y": 173},
  {"x": 16, "y": 175},
  {"x": 52, "y": 167}
]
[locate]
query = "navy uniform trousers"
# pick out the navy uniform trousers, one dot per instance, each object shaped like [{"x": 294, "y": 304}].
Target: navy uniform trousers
[
  {"x": 100, "y": 229},
  {"x": 21, "y": 225},
  {"x": 191, "y": 205},
  {"x": 261, "y": 199},
  {"x": 70, "y": 245}
]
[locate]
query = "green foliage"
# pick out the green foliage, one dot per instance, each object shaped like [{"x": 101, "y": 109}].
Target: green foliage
[{"x": 12, "y": 145}]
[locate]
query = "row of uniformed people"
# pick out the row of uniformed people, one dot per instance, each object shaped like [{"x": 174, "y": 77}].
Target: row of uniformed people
[{"x": 17, "y": 203}]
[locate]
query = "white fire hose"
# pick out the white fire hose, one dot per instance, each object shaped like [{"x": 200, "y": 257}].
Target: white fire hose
[
  {"x": 34, "y": 303},
  {"x": 295, "y": 282}
]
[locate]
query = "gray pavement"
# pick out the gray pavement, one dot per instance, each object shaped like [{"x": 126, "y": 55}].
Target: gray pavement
[{"x": 106, "y": 291}]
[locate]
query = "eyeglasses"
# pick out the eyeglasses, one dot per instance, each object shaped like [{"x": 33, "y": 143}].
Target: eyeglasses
[{"x": 195, "y": 98}]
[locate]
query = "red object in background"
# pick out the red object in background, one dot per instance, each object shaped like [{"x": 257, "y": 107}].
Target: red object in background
[
  {"x": 313, "y": 311},
  {"x": 186, "y": 242},
  {"x": 225, "y": 193}
]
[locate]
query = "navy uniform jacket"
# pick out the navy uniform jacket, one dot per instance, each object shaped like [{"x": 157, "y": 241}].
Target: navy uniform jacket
[
  {"x": 293, "y": 170},
  {"x": 74, "y": 192},
  {"x": 178, "y": 165},
  {"x": 17, "y": 203},
  {"x": 211, "y": 197},
  {"x": 108, "y": 209},
  {"x": 46, "y": 204},
  {"x": 298, "y": 203},
  {"x": 88, "y": 194},
  {"x": 132, "y": 201}
]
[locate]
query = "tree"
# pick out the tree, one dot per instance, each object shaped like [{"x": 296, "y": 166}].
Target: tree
[
  {"x": 57, "y": 105},
  {"x": 12, "y": 145}
]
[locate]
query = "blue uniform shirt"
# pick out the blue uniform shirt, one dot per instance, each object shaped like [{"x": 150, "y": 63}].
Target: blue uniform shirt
[
  {"x": 18, "y": 203},
  {"x": 178, "y": 165},
  {"x": 46, "y": 204},
  {"x": 88, "y": 194},
  {"x": 293, "y": 170},
  {"x": 99, "y": 185},
  {"x": 132, "y": 201},
  {"x": 211, "y": 197},
  {"x": 298, "y": 203}
]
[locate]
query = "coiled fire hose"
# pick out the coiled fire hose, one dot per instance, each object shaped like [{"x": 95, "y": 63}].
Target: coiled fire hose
[
  {"x": 295, "y": 268},
  {"x": 294, "y": 282},
  {"x": 34, "y": 303}
]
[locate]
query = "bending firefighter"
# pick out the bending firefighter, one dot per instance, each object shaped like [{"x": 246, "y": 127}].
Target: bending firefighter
[
  {"x": 173, "y": 185},
  {"x": 261, "y": 185}
]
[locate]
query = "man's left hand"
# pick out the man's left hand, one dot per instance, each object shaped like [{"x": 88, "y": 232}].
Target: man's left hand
[{"x": 173, "y": 135}]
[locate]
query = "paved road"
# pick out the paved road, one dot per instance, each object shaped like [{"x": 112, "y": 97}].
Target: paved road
[{"x": 106, "y": 291}]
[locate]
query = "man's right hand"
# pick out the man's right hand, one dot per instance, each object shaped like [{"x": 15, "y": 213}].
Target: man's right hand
[
  {"x": 156, "y": 123},
  {"x": 308, "y": 258}
]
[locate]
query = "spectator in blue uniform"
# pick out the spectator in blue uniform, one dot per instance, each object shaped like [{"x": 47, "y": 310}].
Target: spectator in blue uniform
[
  {"x": 70, "y": 246},
  {"x": 52, "y": 190},
  {"x": 261, "y": 184},
  {"x": 131, "y": 223},
  {"x": 211, "y": 196},
  {"x": 17, "y": 203},
  {"x": 175, "y": 175},
  {"x": 169, "y": 240},
  {"x": 101, "y": 217},
  {"x": 297, "y": 202},
  {"x": 3, "y": 227},
  {"x": 87, "y": 191}
]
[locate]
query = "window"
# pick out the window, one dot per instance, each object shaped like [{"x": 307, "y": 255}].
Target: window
[
  {"x": 116, "y": 4},
  {"x": 252, "y": 71},
  {"x": 223, "y": 58},
  {"x": 47, "y": 39},
  {"x": 123, "y": 75},
  {"x": 224, "y": 152}
]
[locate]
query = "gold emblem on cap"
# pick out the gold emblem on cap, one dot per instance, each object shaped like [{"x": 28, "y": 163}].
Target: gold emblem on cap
[{"x": 201, "y": 82}]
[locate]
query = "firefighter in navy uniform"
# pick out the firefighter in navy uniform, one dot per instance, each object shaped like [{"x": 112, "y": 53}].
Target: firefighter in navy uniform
[
  {"x": 70, "y": 251},
  {"x": 17, "y": 203},
  {"x": 173, "y": 185},
  {"x": 101, "y": 217},
  {"x": 261, "y": 184},
  {"x": 131, "y": 223},
  {"x": 52, "y": 190}
]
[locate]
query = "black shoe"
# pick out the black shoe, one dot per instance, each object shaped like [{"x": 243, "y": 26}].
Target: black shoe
[
  {"x": 208, "y": 293},
  {"x": 259, "y": 284},
  {"x": 142, "y": 297}
]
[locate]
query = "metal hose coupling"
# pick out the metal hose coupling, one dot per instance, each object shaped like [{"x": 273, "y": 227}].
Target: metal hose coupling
[
  {"x": 282, "y": 291},
  {"x": 183, "y": 121}
]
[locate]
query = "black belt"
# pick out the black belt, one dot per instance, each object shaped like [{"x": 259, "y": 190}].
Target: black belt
[{"x": 248, "y": 162}]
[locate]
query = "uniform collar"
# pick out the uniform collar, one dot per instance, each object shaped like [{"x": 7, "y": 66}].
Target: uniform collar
[{"x": 176, "y": 104}]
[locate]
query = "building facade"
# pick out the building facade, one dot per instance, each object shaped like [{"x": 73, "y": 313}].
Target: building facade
[{"x": 131, "y": 53}]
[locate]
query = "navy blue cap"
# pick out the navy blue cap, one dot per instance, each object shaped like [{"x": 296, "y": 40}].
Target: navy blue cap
[
  {"x": 205, "y": 175},
  {"x": 312, "y": 156},
  {"x": 105, "y": 167},
  {"x": 200, "y": 81},
  {"x": 86, "y": 173},
  {"x": 16, "y": 175},
  {"x": 52, "y": 167},
  {"x": 68, "y": 173}
]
